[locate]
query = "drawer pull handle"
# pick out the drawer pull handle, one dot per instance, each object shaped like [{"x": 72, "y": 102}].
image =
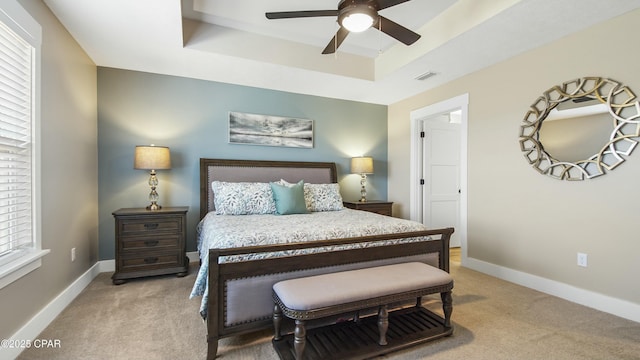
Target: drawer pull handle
[
  {"x": 150, "y": 226},
  {"x": 150, "y": 260},
  {"x": 151, "y": 242}
]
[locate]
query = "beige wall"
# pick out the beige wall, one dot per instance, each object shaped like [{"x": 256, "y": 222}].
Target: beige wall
[
  {"x": 69, "y": 174},
  {"x": 517, "y": 218}
]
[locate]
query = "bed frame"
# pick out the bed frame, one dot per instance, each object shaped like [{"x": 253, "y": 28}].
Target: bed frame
[{"x": 434, "y": 251}]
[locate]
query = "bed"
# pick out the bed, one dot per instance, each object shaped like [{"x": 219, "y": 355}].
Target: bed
[{"x": 244, "y": 252}]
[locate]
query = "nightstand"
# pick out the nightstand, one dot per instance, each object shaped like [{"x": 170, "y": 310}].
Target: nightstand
[
  {"x": 150, "y": 242},
  {"x": 375, "y": 206}
]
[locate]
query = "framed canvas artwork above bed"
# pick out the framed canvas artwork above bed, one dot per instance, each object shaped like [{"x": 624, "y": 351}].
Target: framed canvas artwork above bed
[{"x": 269, "y": 130}]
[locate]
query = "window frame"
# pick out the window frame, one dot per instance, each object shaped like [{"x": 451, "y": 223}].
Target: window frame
[{"x": 22, "y": 262}]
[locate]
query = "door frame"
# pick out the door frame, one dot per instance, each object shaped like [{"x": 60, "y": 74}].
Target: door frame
[{"x": 415, "y": 189}]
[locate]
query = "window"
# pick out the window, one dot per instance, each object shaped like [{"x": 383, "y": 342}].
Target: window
[{"x": 20, "y": 250}]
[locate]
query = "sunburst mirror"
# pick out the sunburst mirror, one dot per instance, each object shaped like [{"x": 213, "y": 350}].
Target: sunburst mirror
[{"x": 581, "y": 129}]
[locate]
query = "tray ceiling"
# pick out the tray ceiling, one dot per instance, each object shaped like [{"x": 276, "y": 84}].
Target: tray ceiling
[{"x": 232, "y": 41}]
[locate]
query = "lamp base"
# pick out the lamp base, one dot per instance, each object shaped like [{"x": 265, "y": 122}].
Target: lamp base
[
  {"x": 153, "y": 195},
  {"x": 363, "y": 189},
  {"x": 154, "y": 206}
]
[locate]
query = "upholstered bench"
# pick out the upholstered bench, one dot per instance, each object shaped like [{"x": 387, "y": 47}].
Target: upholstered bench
[{"x": 338, "y": 293}]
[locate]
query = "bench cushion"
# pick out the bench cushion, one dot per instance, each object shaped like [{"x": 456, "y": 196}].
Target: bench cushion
[{"x": 325, "y": 290}]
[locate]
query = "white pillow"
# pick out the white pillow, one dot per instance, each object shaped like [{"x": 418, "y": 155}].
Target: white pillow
[
  {"x": 284, "y": 182},
  {"x": 243, "y": 198}
]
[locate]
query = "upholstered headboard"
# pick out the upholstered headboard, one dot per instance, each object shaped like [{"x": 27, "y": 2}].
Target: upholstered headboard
[{"x": 259, "y": 171}]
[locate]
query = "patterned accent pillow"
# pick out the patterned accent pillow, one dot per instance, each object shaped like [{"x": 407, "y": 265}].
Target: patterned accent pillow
[
  {"x": 243, "y": 198},
  {"x": 323, "y": 197}
]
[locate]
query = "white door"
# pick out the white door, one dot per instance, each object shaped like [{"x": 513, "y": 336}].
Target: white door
[{"x": 441, "y": 173}]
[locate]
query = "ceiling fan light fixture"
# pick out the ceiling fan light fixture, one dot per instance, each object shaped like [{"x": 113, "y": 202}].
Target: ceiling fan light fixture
[
  {"x": 357, "y": 22},
  {"x": 356, "y": 16}
]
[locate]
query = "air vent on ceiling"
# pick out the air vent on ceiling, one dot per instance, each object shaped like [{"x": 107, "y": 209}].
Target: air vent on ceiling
[{"x": 426, "y": 75}]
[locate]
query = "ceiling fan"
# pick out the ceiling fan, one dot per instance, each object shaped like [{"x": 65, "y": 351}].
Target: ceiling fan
[{"x": 356, "y": 16}]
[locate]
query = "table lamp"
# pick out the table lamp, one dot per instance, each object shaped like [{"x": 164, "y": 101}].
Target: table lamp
[
  {"x": 362, "y": 165},
  {"x": 151, "y": 157}
]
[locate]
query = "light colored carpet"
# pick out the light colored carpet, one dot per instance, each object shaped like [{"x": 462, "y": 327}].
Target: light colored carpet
[{"x": 153, "y": 318}]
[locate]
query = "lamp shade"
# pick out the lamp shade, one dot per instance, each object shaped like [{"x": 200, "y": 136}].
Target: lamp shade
[
  {"x": 362, "y": 165},
  {"x": 150, "y": 157}
]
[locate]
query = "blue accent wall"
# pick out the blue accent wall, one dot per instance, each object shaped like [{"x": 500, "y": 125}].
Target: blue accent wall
[{"x": 191, "y": 117}]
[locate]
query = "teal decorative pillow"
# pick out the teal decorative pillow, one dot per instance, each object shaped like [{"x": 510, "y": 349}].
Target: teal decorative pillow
[{"x": 289, "y": 199}]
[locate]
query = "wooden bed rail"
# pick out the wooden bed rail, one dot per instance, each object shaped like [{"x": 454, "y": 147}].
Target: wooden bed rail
[{"x": 446, "y": 232}]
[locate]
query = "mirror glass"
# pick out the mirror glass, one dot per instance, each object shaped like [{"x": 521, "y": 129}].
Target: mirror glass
[
  {"x": 575, "y": 133},
  {"x": 581, "y": 129}
]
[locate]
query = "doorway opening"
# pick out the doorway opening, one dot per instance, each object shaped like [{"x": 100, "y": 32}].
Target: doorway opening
[{"x": 438, "y": 186}]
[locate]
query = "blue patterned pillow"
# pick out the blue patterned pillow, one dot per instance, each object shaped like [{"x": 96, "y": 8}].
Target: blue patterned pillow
[
  {"x": 323, "y": 197},
  {"x": 242, "y": 198}
]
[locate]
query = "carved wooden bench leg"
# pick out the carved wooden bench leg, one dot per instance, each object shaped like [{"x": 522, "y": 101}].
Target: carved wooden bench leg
[
  {"x": 277, "y": 320},
  {"x": 383, "y": 324},
  {"x": 447, "y": 307},
  {"x": 299, "y": 340}
]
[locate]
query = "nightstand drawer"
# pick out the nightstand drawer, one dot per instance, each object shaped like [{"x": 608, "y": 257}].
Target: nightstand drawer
[
  {"x": 150, "y": 225},
  {"x": 164, "y": 242},
  {"x": 150, "y": 261}
]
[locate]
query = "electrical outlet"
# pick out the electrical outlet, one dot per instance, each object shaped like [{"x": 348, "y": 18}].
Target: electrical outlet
[
  {"x": 582, "y": 259},
  {"x": 73, "y": 254}
]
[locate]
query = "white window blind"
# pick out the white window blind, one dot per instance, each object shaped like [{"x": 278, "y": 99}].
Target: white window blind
[{"x": 16, "y": 94}]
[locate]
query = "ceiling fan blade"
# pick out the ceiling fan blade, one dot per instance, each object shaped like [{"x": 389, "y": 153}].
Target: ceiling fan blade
[
  {"x": 383, "y": 4},
  {"x": 340, "y": 36},
  {"x": 300, "y": 14},
  {"x": 397, "y": 31}
]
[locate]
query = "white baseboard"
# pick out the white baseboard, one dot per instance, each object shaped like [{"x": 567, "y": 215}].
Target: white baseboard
[
  {"x": 107, "y": 265},
  {"x": 608, "y": 304},
  {"x": 42, "y": 319},
  {"x": 193, "y": 256}
]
